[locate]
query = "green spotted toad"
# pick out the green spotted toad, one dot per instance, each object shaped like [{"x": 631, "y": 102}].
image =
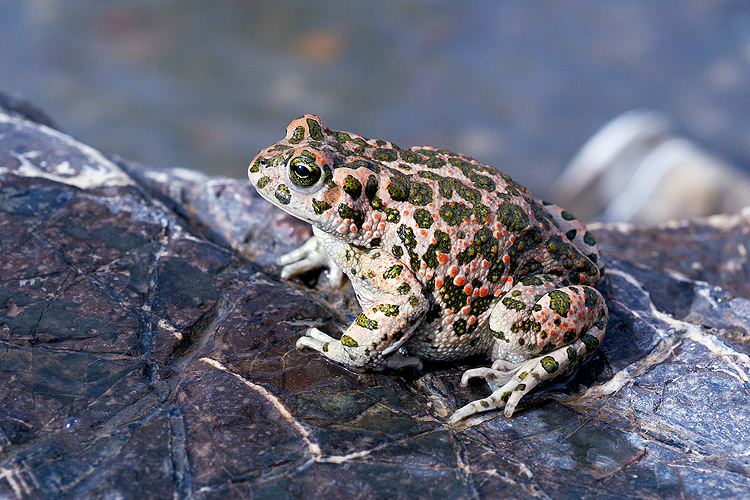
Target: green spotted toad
[{"x": 448, "y": 258}]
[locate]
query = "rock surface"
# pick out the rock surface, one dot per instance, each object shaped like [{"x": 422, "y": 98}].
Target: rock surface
[{"x": 147, "y": 351}]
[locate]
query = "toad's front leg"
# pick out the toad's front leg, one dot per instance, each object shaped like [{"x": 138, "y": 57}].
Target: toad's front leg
[{"x": 393, "y": 307}]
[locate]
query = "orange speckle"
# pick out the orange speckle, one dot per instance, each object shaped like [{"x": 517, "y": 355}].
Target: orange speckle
[
  {"x": 423, "y": 232},
  {"x": 506, "y": 258},
  {"x": 475, "y": 292},
  {"x": 467, "y": 289},
  {"x": 465, "y": 309},
  {"x": 497, "y": 293},
  {"x": 453, "y": 271},
  {"x": 441, "y": 257},
  {"x": 483, "y": 291},
  {"x": 459, "y": 280},
  {"x": 438, "y": 283},
  {"x": 472, "y": 319}
]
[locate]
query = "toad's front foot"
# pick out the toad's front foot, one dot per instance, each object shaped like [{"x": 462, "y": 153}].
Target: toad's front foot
[
  {"x": 334, "y": 350},
  {"x": 311, "y": 255}
]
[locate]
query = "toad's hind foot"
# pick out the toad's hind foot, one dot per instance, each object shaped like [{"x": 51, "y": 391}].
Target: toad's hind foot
[
  {"x": 507, "y": 389},
  {"x": 507, "y": 392}
]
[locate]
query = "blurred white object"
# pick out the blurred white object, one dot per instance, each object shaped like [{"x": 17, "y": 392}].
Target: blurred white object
[{"x": 636, "y": 169}]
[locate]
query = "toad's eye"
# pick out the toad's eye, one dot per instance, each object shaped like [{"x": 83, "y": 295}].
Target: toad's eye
[{"x": 303, "y": 171}]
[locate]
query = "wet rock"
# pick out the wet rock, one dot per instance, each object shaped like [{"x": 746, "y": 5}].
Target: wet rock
[{"x": 147, "y": 351}]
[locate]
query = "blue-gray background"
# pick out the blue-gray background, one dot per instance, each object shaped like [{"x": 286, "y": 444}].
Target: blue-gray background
[{"x": 521, "y": 85}]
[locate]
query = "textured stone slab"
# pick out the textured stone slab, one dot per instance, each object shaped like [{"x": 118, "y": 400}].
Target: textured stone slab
[{"x": 147, "y": 351}]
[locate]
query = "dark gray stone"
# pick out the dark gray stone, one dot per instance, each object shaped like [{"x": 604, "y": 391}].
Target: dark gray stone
[{"x": 147, "y": 351}]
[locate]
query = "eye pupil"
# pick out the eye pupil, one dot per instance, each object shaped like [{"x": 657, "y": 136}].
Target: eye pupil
[
  {"x": 304, "y": 172},
  {"x": 301, "y": 169}
]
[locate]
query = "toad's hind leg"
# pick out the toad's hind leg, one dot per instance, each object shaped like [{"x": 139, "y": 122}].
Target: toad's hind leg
[{"x": 545, "y": 334}]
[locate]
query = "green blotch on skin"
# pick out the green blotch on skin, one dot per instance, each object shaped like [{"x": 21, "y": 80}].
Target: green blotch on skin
[
  {"x": 499, "y": 335},
  {"x": 442, "y": 244},
  {"x": 406, "y": 234},
  {"x": 481, "y": 304},
  {"x": 467, "y": 193},
  {"x": 320, "y": 206},
  {"x": 454, "y": 213},
  {"x": 549, "y": 364},
  {"x": 567, "y": 215},
  {"x": 522, "y": 375},
  {"x": 420, "y": 193},
  {"x": 403, "y": 288},
  {"x": 571, "y": 353},
  {"x": 590, "y": 298},
  {"x": 398, "y": 189},
  {"x": 496, "y": 270},
  {"x": 352, "y": 187},
  {"x": 371, "y": 187},
  {"x": 531, "y": 281},
  {"x": 454, "y": 297},
  {"x": 548, "y": 348},
  {"x": 263, "y": 181},
  {"x": 347, "y": 341},
  {"x": 325, "y": 347},
  {"x": 389, "y": 309},
  {"x": 342, "y": 137},
  {"x": 366, "y": 322},
  {"x": 520, "y": 387},
  {"x": 255, "y": 167},
  {"x": 393, "y": 271},
  {"x": 571, "y": 235},
  {"x": 410, "y": 156},
  {"x": 315, "y": 132},
  {"x": 589, "y": 239},
  {"x": 297, "y": 135},
  {"x": 423, "y": 218},
  {"x": 283, "y": 194},
  {"x": 513, "y": 304},
  {"x": 482, "y": 212},
  {"x": 559, "y": 302},
  {"x": 357, "y": 216},
  {"x": 397, "y": 251},
  {"x": 513, "y": 217},
  {"x": 590, "y": 342},
  {"x": 569, "y": 336},
  {"x": 413, "y": 300},
  {"x": 386, "y": 155}
]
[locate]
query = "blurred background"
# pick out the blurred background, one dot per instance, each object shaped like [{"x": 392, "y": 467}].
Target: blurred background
[{"x": 204, "y": 84}]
